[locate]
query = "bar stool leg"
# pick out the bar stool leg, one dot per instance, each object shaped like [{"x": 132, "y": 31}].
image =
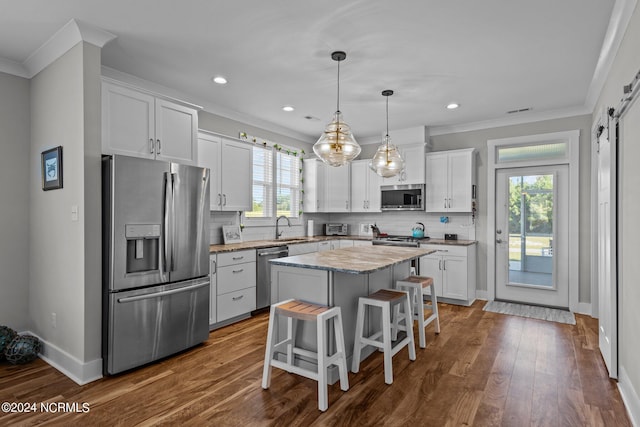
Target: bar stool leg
[
  {"x": 323, "y": 399},
  {"x": 418, "y": 299},
  {"x": 409, "y": 322},
  {"x": 434, "y": 307},
  {"x": 268, "y": 353},
  {"x": 357, "y": 345},
  {"x": 386, "y": 341},
  {"x": 342, "y": 368}
]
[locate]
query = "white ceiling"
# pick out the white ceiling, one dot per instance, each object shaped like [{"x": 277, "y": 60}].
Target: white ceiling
[{"x": 490, "y": 56}]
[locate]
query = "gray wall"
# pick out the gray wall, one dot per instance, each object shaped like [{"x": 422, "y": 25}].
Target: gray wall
[
  {"x": 625, "y": 67},
  {"x": 64, "y": 254},
  {"x": 222, "y": 125},
  {"x": 14, "y": 208},
  {"x": 478, "y": 139}
]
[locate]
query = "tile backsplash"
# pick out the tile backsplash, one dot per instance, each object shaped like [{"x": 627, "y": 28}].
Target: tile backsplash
[{"x": 400, "y": 223}]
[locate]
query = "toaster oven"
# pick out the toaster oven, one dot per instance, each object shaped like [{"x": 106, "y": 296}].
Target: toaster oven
[{"x": 336, "y": 229}]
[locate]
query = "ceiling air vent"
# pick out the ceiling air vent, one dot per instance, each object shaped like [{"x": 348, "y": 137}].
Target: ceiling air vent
[{"x": 521, "y": 110}]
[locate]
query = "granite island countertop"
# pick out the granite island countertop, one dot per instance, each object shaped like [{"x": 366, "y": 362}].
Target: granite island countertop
[
  {"x": 355, "y": 260},
  {"x": 259, "y": 244}
]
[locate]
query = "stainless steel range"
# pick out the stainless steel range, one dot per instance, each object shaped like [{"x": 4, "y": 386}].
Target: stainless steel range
[{"x": 407, "y": 241}]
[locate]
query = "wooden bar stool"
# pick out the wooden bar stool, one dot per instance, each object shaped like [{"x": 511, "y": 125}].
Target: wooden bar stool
[
  {"x": 385, "y": 299},
  {"x": 415, "y": 285},
  {"x": 295, "y": 310}
]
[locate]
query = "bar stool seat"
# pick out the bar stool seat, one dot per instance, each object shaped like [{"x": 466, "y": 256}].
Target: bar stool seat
[
  {"x": 416, "y": 285},
  {"x": 294, "y": 311},
  {"x": 385, "y": 299}
]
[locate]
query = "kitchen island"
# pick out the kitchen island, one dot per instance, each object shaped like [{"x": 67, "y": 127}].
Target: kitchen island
[{"x": 339, "y": 278}]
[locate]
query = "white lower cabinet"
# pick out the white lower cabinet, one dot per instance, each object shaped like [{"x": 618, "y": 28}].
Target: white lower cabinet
[
  {"x": 329, "y": 245},
  {"x": 453, "y": 269},
  {"x": 303, "y": 248},
  {"x": 236, "y": 284},
  {"x": 213, "y": 294}
]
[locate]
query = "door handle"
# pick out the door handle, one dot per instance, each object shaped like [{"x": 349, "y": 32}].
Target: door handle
[
  {"x": 151, "y": 146},
  {"x": 224, "y": 197},
  {"x": 238, "y": 271},
  {"x": 159, "y": 147},
  {"x": 498, "y": 240}
]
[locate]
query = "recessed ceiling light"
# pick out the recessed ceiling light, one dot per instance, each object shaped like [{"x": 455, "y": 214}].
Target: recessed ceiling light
[
  {"x": 288, "y": 108},
  {"x": 453, "y": 106},
  {"x": 220, "y": 80}
]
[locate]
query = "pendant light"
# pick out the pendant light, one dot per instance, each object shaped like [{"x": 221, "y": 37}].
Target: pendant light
[
  {"x": 387, "y": 161},
  {"x": 337, "y": 146}
]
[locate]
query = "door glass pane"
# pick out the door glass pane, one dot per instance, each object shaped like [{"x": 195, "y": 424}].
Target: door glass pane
[
  {"x": 551, "y": 150},
  {"x": 531, "y": 230}
]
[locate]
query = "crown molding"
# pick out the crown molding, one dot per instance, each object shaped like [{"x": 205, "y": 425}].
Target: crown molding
[
  {"x": 517, "y": 119},
  {"x": 64, "y": 39},
  {"x": 13, "y": 68},
  {"x": 620, "y": 17}
]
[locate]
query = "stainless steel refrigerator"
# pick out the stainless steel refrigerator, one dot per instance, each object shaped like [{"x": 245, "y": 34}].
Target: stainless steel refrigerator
[{"x": 155, "y": 260}]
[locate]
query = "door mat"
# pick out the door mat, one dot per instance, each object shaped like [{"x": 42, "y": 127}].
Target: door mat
[{"x": 534, "y": 312}]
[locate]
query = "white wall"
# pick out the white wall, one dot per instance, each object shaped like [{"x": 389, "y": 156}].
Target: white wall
[
  {"x": 478, "y": 139},
  {"x": 14, "y": 208},
  {"x": 625, "y": 67},
  {"x": 65, "y": 273}
]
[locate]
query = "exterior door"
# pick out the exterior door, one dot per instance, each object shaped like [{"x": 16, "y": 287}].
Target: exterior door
[{"x": 532, "y": 234}]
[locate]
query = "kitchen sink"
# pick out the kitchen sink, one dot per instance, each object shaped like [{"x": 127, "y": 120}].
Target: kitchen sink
[{"x": 289, "y": 240}]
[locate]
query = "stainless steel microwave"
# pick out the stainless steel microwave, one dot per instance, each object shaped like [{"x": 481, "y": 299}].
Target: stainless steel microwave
[{"x": 407, "y": 197}]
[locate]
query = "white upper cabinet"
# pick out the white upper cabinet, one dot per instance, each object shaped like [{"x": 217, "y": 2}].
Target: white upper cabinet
[
  {"x": 136, "y": 123},
  {"x": 365, "y": 188},
  {"x": 338, "y": 189},
  {"x": 413, "y": 173},
  {"x": 450, "y": 180},
  {"x": 231, "y": 164},
  {"x": 313, "y": 173}
]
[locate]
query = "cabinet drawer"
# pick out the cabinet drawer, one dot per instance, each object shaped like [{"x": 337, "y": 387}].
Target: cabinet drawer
[
  {"x": 447, "y": 249},
  {"x": 237, "y": 257},
  {"x": 236, "y": 303},
  {"x": 235, "y": 277}
]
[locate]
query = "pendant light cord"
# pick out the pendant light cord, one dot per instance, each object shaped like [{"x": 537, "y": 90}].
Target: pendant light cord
[
  {"x": 338, "y": 97},
  {"x": 387, "y": 122}
]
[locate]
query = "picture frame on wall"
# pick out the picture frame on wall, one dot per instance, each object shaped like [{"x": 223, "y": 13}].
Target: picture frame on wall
[
  {"x": 231, "y": 234},
  {"x": 52, "y": 168}
]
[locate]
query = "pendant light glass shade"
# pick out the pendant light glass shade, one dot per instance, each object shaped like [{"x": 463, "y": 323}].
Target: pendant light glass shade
[
  {"x": 337, "y": 146},
  {"x": 387, "y": 161}
]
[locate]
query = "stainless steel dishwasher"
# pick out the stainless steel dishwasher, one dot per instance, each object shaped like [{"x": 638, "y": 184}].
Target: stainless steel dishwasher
[{"x": 263, "y": 273}]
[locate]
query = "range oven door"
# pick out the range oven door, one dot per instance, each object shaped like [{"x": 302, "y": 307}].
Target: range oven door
[{"x": 151, "y": 323}]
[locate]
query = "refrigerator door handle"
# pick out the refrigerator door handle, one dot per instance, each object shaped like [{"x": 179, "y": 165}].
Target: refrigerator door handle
[
  {"x": 167, "y": 222},
  {"x": 163, "y": 293}
]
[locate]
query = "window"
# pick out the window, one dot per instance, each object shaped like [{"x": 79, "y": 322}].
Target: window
[
  {"x": 262, "y": 183},
  {"x": 287, "y": 185},
  {"x": 276, "y": 184}
]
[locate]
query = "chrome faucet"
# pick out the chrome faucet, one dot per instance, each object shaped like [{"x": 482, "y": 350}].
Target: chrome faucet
[{"x": 279, "y": 233}]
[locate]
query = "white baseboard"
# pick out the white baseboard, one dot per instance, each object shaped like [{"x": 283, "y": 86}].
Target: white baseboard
[
  {"x": 584, "y": 308},
  {"x": 78, "y": 371},
  {"x": 629, "y": 396},
  {"x": 481, "y": 294}
]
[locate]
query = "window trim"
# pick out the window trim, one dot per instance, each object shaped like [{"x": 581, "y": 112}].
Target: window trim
[{"x": 271, "y": 221}]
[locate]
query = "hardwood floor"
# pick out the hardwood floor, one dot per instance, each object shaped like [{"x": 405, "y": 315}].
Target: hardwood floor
[{"x": 483, "y": 369}]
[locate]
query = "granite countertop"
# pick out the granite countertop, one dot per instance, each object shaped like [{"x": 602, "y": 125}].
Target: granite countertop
[
  {"x": 355, "y": 260},
  {"x": 450, "y": 242},
  {"x": 259, "y": 244}
]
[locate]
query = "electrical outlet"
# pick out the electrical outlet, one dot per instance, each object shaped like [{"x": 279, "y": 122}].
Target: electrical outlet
[{"x": 54, "y": 322}]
